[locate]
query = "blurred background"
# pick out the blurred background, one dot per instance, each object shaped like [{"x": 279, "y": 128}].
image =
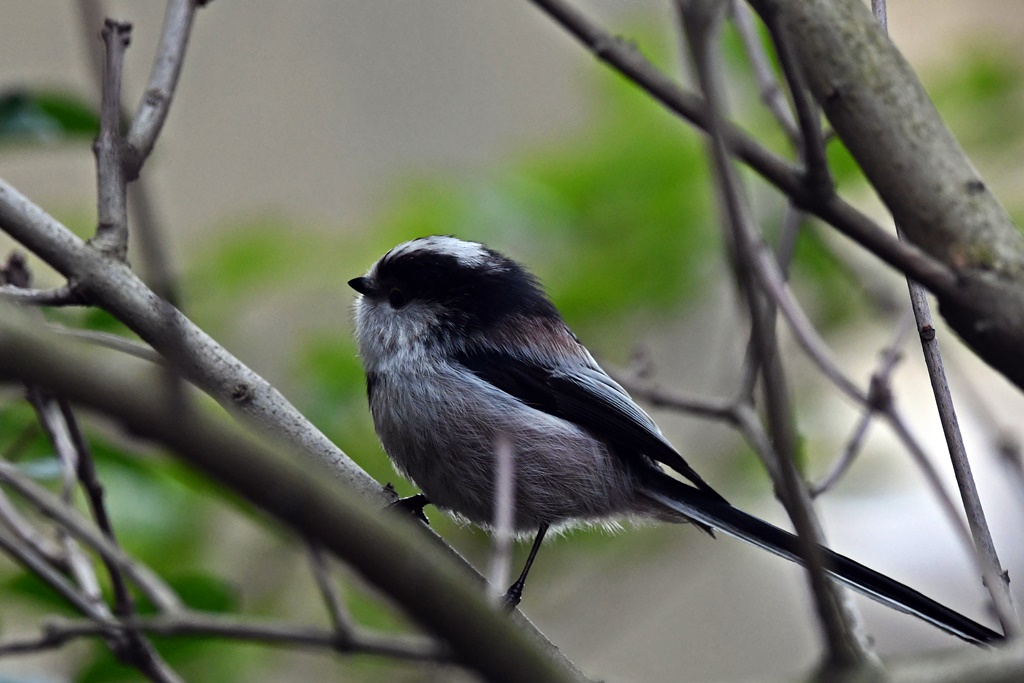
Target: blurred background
[{"x": 307, "y": 138}]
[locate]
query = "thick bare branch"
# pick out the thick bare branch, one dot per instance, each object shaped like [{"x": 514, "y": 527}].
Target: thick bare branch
[
  {"x": 397, "y": 557},
  {"x": 883, "y": 115},
  {"x": 789, "y": 179},
  {"x": 193, "y": 352}
]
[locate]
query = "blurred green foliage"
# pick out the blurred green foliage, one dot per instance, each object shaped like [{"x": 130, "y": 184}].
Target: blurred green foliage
[
  {"x": 31, "y": 116},
  {"x": 617, "y": 218}
]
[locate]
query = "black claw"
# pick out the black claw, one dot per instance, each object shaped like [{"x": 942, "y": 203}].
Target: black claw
[
  {"x": 412, "y": 506},
  {"x": 513, "y": 596}
]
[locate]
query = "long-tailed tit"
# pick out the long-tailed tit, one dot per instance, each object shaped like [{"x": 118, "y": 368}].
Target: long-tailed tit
[{"x": 462, "y": 348}]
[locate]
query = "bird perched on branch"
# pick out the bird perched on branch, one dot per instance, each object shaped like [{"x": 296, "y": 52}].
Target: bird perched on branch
[{"x": 462, "y": 348}]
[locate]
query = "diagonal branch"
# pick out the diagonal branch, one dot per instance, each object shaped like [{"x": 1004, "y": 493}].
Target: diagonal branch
[
  {"x": 857, "y": 226},
  {"x": 883, "y": 115},
  {"x": 397, "y": 557},
  {"x": 996, "y": 580},
  {"x": 158, "y": 592},
  {"x": 700, "y": 20},
  {"x": 201, "y": 359},
  {"x": 772, "y": 94},
  {"x": 163, "y": 79}
]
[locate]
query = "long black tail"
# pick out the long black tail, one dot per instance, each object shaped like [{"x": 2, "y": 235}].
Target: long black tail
[{"x": 720, "y": 515}]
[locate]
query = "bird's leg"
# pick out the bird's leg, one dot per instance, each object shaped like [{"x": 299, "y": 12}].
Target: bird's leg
[
  {"x": 515, "y": 592},
  {"x": 412, "y": 506}
]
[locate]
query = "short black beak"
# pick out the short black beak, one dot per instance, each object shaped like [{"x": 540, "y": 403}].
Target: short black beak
[{"x": 360, "y": 284}]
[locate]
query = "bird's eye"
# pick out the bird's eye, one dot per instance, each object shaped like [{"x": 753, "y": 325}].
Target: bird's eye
[{"x": 397, "y": 298}]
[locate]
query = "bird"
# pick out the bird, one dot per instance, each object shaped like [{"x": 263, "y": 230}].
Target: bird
[{"x": 462, "y": 347}]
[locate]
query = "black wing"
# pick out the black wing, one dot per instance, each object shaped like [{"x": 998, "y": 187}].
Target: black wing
[{"x": 587, "y": 397}]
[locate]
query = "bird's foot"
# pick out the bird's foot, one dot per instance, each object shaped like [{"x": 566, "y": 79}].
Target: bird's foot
[
  {"x": 412, "y": 506},
  {"x": 513, "y": 595}
]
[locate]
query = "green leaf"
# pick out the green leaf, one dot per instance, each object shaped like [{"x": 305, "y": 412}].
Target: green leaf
[{"x": 41, "y": 116}]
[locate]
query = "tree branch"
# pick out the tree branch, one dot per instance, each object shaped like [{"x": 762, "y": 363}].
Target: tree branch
[
  {"x": 700, "y": 19},
  {"x": 178, "y": 20},
  {"x": 201, "y": 360},
  {"x": 995, "y": 579},
  {"x": 112, "y": 231},
  {"x": 61, "y": 631},
  {"x": 771, "y": 91},
  {"x": 789, "y": 179},
  {"x": 67, "y": 295},
  {"x": 397, "y": 557},
  {"x": 163, "y": 79},
  {"x": 880, "y": 110},
  {"x": 158, "y": 592}
]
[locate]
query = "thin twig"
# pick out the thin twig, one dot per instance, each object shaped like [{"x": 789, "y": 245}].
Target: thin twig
[
  {"x": 995, "y": 578},
  {"x": 60, "y": 631},
  {"x": 771, "y": 279},
  {"x": 812, "y": 141},
  {"x": 879, "y": 386},
  {"x": 340, "y": 619},
  {"x": 68, "y": 295},
  {"x": 163, "y": 79},
  {"x": 498, "y": 576},
  {"x": 771, "y": 91},
  {"x": 124, "y": 604},
  {"x": 111, "y": 341},
  {"x": 158, "y": 592},
  {"x": 112, "y": 205},
  {"x": 845, "y": 647}
]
